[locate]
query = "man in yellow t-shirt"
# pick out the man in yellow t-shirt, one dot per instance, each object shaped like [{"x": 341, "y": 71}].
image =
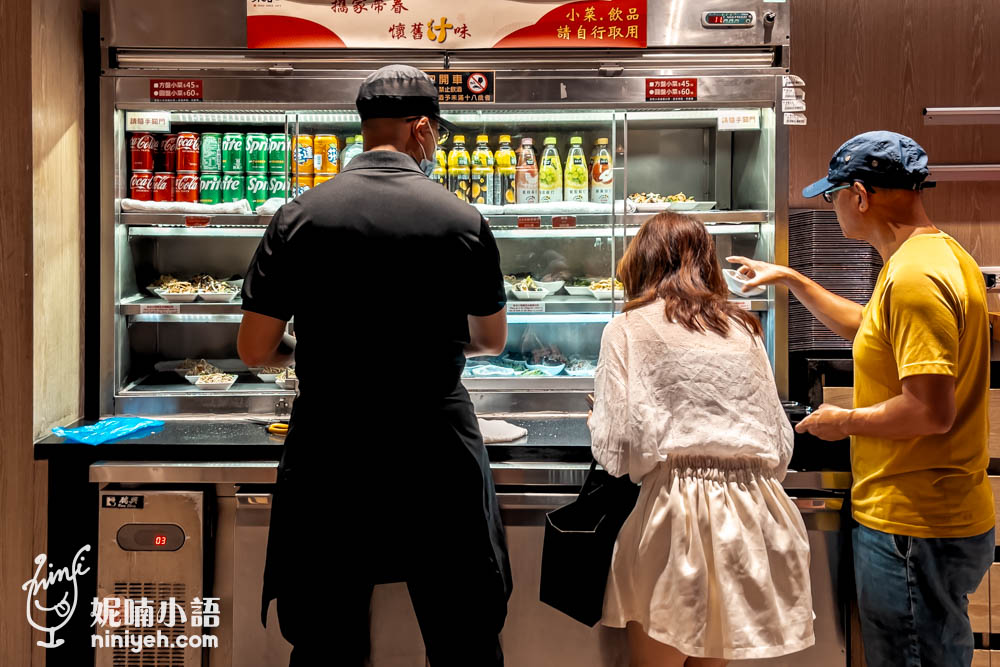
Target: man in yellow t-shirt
[{"x": 919, "y": 427}]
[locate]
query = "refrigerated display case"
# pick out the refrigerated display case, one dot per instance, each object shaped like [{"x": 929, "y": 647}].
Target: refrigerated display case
[
  {"x": 703, "y": 110},
  {"x": 735, "y": 176}
]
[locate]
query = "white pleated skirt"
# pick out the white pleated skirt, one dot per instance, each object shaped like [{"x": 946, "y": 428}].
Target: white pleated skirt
[{"x": 714, "y": 561}]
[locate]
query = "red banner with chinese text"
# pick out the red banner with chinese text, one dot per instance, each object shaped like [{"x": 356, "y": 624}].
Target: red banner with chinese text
[{"x": 438, "y": 24}]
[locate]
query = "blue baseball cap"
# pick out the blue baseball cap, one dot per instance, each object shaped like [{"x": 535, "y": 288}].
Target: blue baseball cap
[{"x": 880, "y": 159}]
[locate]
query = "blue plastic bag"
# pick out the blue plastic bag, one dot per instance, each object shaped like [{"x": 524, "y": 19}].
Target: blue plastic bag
[{"x": 110, "y": 429}]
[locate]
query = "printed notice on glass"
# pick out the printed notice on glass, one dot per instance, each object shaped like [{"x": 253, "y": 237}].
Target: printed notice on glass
[
  {"x": 147, "y": 121},
  {"x": 468, "y": 87},
  {"x": 176, "y": 90},
  {"x": 731, "y": 120},
  {"x": 672, "y": 90}
]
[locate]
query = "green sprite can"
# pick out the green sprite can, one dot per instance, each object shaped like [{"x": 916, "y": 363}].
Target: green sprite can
[
  {"x": 277, "y": 186},
  {"x": 256, "y": 143},
  {"x": 233, "y": 187},
  {"x": 211, "y": 152},
  {"x": 210, "y": 188},
  {"x": 277, "y": 153},
  {"x": 234, "y": 156},
  {"x": 257, "y": 186}
]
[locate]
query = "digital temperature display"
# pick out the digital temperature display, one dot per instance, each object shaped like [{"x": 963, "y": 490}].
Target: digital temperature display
[
  {"x": 151, "y": 537},
  {"x": 728, "y": 19}
]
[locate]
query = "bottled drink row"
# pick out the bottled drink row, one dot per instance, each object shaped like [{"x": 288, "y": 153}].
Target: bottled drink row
[
  {"x": 511, "y": 176},
  {"x": 215, "y": 167}
]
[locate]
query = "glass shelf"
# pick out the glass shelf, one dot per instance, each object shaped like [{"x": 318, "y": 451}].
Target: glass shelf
[
  {"x": 503, "y": 226},
  {"x": 229, "y": 117},
  {"x": 557, "y": 310}
]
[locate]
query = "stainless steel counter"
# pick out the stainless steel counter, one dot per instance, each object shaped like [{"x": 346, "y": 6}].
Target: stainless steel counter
[{"x": 504, "y": 474}]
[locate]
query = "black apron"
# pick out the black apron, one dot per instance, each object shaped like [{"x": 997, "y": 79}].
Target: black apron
[{"x": 378, "y": 496}]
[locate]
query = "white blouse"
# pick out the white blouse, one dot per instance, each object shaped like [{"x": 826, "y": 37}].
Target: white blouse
[{"x": 663, "y": 389}]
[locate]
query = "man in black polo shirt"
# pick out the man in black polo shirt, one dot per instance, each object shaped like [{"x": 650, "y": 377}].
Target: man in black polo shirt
[{"x": 384, "y": 477}]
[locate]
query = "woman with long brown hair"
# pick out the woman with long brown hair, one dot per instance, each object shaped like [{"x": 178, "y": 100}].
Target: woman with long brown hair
[{"x": 713, "y": 563}]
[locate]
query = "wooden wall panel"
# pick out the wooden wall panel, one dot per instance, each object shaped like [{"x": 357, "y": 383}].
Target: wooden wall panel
[
  {"x": 876, "y": 65},
  {"x": 57, "y": 133},
  {"x": 16, "y": 474},
  {"x": 979, "y": 606}
]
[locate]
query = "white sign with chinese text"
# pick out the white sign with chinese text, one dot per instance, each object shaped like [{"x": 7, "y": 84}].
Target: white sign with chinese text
[
  {"x": 793, "y": 105},
  {"x": 738, "y": 119},
  {"x": 147, "y": 121},
  {"x": 159, "y": 309},
  {"x": 443, "y": 24},
  {"x": 793, "y": 94},
  {"x": 525, "y": 307}
]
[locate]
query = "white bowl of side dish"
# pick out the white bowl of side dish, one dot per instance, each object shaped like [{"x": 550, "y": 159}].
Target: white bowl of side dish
[
  {"x": 536, "y": 295},
  {"x": 268, "y": 377},
  {"x": 605, "y": 294},
  {"x": 217, "y": 297},
  {"x": 179, "y": 297},
  {"x": 215, "y": 386},
  {"x": 735, "y": 281},
  {"x": 551, "y": 286}
]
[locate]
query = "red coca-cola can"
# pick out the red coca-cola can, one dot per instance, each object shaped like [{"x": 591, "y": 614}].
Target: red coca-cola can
[
  {"x": 163, "y": 186},
  {"x": 142, "y": 146},
  {"x": 186, "y": 187},
  {"x": 187, "y": 152},
  {"x": 166, "y": 156},
  {"x": 140, "y": 186}
]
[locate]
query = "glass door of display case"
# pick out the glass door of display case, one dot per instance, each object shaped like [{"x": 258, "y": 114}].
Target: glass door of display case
[
  {"x": 564, "y": 191},
  {"x": 718, "y": 166},
  {"x": 179, "y": 271}
]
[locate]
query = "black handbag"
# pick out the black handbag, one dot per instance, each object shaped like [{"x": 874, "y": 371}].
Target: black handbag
[{"x": 579, "y": 542}]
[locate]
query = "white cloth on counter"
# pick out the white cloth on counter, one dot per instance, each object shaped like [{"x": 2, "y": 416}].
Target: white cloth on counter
[
  {"x": 500, "y": 431},
  {"x": 662, "y": 389},
  {"x": 271, "y": 206},
  {"x": 241, "y": 207}
]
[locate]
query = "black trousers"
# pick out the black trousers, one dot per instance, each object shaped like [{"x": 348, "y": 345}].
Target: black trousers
[
  {"x": 331, "y": 626},
  {"x": 430, "y": 519}
]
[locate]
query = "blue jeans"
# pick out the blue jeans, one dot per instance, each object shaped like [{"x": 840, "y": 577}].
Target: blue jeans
[{"x": 913, "y": 596}]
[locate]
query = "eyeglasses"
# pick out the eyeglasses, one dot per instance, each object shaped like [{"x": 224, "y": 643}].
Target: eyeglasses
[
  {"x": 442, "y": 131},
  {"x": 828, "y": 195}
]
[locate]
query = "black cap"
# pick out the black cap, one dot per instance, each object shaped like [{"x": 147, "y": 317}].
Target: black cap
[
  {"x": 399, "y": 91},
  {"x": 880, "y": 158}
]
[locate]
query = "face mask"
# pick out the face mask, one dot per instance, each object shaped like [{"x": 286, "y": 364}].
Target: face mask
[{"x": 426, "y": 166}]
